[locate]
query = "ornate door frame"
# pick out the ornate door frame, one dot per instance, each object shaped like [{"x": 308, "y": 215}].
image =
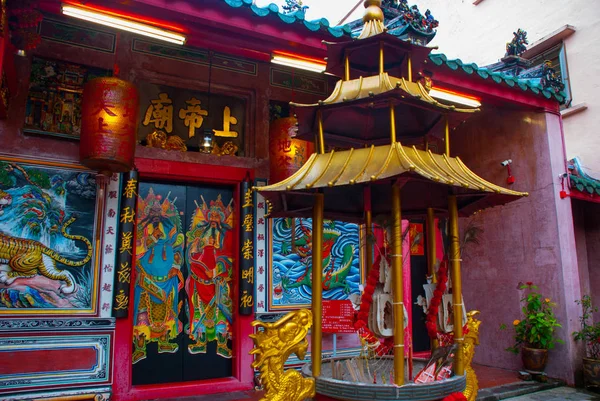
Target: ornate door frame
[{"x": 243, "y": 376}]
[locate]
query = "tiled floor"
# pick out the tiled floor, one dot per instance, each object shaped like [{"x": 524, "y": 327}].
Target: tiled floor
[{"x": 492, "y": 377}]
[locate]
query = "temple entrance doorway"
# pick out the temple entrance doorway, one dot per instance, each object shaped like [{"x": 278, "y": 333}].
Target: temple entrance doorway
[{"x": 182, "y": 306}]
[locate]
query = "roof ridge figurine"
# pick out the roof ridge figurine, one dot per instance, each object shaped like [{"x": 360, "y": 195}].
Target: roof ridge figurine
[
  {"x": 404, "y": 21},
  {"x": 516, "y": 46},
  {"x": 292, "y": 6}
]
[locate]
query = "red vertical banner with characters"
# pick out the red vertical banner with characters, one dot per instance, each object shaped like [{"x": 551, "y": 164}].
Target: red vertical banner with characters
[
  {"x": 260, "y": 256},
  {"x": 123, "y": 268},
  {"x": 247, "y": 249}
]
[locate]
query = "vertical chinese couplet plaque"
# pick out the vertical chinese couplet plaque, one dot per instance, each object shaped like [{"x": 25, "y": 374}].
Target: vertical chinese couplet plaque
[
  {"x": 247, "y": 250},
  {"x": 125, "y": 244}
]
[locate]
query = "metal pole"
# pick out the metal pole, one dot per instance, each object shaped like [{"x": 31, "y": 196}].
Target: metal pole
[
  {"x": 447, "y": 137},
  {"x": 317, "y": 285},
  {"x": 431, "y": 255},
  {"x": 459, "y": 367},
  {"x": 392, "y": 124},
  {"x": 397, "y": 282},
  {"x": 321, "y": 139},
  {"x": 409, "y": 62},
  {"x": 381, "y": 60},
  {"x": 431, "y": 251},
  {"x": 368, "y": 230},
  {"x": 346, "y": 68}
]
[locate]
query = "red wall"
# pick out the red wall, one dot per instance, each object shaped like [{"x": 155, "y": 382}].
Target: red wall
[{"x": 162, "y": 164}]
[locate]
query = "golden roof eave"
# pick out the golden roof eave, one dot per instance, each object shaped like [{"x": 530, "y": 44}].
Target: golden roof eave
[
  {"x": 374, "y": 86},
  {"x": 366, "y": 165},
  {"x": 343, "y": 175}
]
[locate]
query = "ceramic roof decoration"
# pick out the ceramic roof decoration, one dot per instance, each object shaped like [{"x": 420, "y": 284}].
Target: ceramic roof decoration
[
  {"x": 292, "y": 6},
  {"x": 516, "y": 46},
  {"x": 581, "y": 181},
  {"x": 297, "y": 16},
  {"x": 489, "y": 72},
  {"x": 403, "y": 21}
]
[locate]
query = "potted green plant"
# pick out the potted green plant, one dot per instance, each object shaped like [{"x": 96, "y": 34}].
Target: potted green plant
[
  {"x": 535, "y": 332},
  {"x": 590, "y": 335}
]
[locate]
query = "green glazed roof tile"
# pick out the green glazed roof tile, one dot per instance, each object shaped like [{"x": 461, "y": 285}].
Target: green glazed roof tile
[
  {"x": 441, "y": 59},
  {"x": 291, "y": 18},
  {"x": 580, "y": 180}
]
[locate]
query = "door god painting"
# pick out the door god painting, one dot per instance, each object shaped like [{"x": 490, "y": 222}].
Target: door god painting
[
  {"x": 208, "y": 286},
  {"x": 46, "y": 230},
  {"x": 159, "y": 257}
]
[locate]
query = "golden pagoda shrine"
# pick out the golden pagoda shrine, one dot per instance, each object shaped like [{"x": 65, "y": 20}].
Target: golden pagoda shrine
[{"x": 382, "y": 100}]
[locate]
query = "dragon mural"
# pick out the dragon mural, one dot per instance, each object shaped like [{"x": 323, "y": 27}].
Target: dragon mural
[
  {"x": 292, "y": 260},
  {"x": 37, "y": 205}
]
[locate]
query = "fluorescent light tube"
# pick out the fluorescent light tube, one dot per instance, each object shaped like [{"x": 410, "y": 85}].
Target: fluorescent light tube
[
  {"x": 124, "y": 24},
  {"x": 298, "y": 63},
  {"x": 454, "y": 98}
]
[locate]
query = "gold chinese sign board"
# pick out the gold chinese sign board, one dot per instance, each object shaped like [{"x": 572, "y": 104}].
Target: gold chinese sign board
[{"x": 171, "y": 117}]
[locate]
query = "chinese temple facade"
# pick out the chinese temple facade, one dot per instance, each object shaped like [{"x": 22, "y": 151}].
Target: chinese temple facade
[{"x": 134, "y": 281}]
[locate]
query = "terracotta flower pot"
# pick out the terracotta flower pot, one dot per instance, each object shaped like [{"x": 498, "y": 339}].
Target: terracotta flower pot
[
  {"x": 591, "y": 372},
  {"x": 534, "y": 359}
]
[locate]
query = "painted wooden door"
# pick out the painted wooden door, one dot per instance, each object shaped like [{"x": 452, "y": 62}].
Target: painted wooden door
[{"x": 183, "y": 288}]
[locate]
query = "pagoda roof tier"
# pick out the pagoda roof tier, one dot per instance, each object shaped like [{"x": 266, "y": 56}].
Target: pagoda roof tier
[
  {"x": 426, "y": 178},
  {"x": 364, "y": 55},
  {"x": 357, "y": 112}
]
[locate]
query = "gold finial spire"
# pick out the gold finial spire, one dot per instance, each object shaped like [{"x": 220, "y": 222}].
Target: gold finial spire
[{"x": 373, "y": 19}]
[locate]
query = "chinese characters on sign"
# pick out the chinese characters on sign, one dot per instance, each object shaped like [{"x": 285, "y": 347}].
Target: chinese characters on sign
[
  {"x": 124, "y": 246},
  {"x": 260, "y": 241},
  {"x": 338, "y": 317},
  {"x": 110, "y": 241},
  {"x": 188, "y": 114},
  {"x": 247, "y": 250}
]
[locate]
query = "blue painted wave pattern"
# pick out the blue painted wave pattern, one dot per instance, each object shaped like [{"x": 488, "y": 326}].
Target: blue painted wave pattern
[{"x": 286, "y": 265}]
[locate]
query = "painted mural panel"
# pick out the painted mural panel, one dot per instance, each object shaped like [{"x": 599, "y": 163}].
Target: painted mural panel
[
  {"x": 159, "y": 257},
  {"x": 208, "y": 286},
  {"x": 291, "y": 262},
  {"x": 55, "y": 95},
  {"x": 46, "y": 232}
]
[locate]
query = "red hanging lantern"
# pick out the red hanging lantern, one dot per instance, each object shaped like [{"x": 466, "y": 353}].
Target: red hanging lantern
[
  {"x": 108, "y": 125},
  {"x": 287, "y": 154}
]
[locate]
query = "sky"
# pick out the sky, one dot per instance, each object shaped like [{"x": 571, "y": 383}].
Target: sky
[{"x": 333, "y": 10}]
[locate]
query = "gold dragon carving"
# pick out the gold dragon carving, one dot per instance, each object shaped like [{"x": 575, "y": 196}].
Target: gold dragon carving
[
  {"x": 273, "y": 344},
  {"x": 471, "y": 340}
]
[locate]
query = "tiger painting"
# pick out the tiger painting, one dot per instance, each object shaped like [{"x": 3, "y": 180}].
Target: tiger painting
[{"x": 28, "y": 258}]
